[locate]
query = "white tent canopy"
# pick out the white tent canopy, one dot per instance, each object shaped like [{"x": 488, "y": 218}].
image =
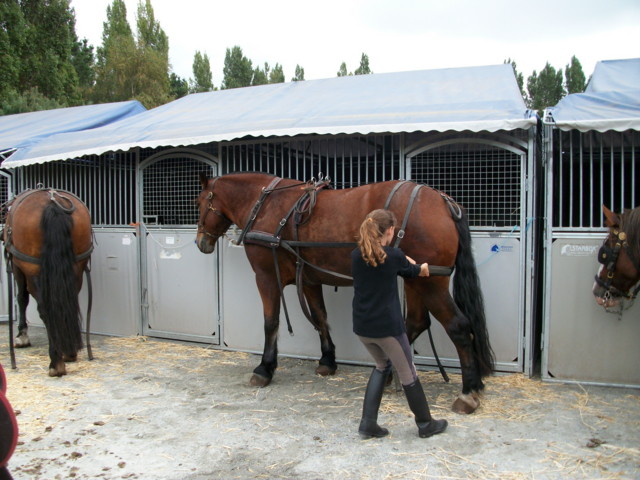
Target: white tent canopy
[
  {"x": 24, "y": 130},
  {"x": 611, "y": 101},
  {"x": 475, "y": 98}
]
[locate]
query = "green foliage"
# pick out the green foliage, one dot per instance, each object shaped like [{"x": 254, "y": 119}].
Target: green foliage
[
  {"x": 202, "y": 77},
  {"x": 342, "y": 72},
  {"x": 178, "y": 87},
  {"x": 238, "y": 69},
  {"x": 12, "y": 44},
  {"x": 277, "y": 74},
  {"x": 363, "y": 69},
  {"x": 299, "y": 75},
  {"x": 28, "y": 101},
  {"x": 46, "y": 56},
  {"x": 128, "y": 69},
  {"x": 575, "y": 81},
  {"x": 545, "y": 89}
]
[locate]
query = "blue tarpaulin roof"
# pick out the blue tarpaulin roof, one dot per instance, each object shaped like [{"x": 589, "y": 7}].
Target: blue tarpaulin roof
[
  {"x": 474, "y": 98},
  {"x": 611, "y": 101},
  {"x": 24, "y": 130}
]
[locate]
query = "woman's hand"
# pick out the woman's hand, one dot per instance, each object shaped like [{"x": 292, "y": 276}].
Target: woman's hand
[
  {"x": 411, "y": 260},
  {"x": 424, "y": 270}
]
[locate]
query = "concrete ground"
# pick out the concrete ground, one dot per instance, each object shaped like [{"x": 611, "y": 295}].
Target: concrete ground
[{"x": 157, "y": 410}]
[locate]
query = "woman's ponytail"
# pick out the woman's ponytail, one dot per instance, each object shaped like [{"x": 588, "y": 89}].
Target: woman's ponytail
[{"x": 372, "y": 232}]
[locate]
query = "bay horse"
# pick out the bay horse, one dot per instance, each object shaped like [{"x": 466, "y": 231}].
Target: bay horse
[
  {"x": 618, "y": 278},
  {"x": 48, "y": 242},
  {"x": 320, "y": 237}
]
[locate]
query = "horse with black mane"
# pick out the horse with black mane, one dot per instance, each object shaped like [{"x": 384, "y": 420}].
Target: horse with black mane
[
  {"x": 302, "y": 233},
  {"x": 48, "y": 243},
  {"x": 618, "y": 279}
]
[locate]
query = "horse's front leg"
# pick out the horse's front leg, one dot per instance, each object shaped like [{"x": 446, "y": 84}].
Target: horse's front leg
[
  {"x": 270, "y": 294},
  {"x": 438, "y": 300},
  {"x": 22, "y": 295},
  {"x": 315, "y": 300}
]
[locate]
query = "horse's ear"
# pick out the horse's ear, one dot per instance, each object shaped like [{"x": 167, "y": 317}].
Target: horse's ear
[
  {"x": 611, "y": 219},
  {"x": 204, "y": 180}
]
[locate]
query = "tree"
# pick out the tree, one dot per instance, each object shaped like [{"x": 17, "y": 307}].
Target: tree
[
  {"x": 178, "y": 87},
  {"x": 261, "y": 77},
  {"x": 363, "y": 69},
  {"x": 519, "y": 77},
  {"x": 575, "y": 81},
  {"x": 202, "y": 76},
  {"x": 13, "y": 29},
  {"x": 46, "y": 56},
  {"x": 238, "y": 70},
  {"x": 299, "y": 75},
  {"x": 545, "y": 89},
  {"x": 129, "y": 69},
  {"x": 83, "y": 61},
  {"x": 277, "y": 74},
  {"x": 343, "y": 70}
]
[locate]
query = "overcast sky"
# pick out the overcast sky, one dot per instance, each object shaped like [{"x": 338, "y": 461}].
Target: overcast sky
[{"x": 397, "y": 35}]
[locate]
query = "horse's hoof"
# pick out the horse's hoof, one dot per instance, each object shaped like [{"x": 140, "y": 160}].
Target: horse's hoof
[
  {"x": 466, "y": 404},
  {"x": 259, "y": 381},
  {"x": 325, "y": 370},
  {"x": 58, "y": 372},
  {"x": 22, "y": 341}
]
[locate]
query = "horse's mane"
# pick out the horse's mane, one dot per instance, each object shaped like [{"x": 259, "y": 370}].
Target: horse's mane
[{"x": 630, "y": 224}]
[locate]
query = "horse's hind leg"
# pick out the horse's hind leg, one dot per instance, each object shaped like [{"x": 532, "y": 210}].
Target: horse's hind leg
[
  {"x": 327, "y": 364},
  {"x": 438, "y": 301},
  {"x": 22, "y": 340}
]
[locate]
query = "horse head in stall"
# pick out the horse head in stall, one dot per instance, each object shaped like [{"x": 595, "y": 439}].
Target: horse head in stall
[
  {"x": 301, "y": 233},
  {"x": 48, "y": 243},
  {"x": 618, "y": 278}
]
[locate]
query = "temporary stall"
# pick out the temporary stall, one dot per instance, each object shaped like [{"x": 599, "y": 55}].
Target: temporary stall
[
  {"x": 592, "y": 158},
  {"x": 465, "y": 131},
  {"x": 24, "y": 130}
]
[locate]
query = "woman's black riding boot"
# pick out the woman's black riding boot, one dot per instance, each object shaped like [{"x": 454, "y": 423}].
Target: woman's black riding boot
[
  {"x": 427, "y": 426},
  {"x": 373, "y": 396}
]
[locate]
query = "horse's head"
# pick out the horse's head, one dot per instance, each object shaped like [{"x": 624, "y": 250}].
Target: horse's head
[
  {"x": 212, "y": 221},
  {"x": 619, "y": 257}
]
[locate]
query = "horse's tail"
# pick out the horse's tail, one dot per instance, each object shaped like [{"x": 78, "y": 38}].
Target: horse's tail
[
  {"x": 57, "y": 283},
  {"x": 468, "y": 295}
]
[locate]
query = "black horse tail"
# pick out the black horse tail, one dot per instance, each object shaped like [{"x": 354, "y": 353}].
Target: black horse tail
[
  {"x": 468, "y": 296},
  {"x": 57, "y": 284}
]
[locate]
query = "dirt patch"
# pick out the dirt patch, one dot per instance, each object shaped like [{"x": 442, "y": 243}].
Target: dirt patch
[{"x": 149, "y": 409}]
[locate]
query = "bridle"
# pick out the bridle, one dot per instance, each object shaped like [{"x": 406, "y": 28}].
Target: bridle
[
  {"x": 608, "y": 256},
  {"x": 211, "y": 209}
]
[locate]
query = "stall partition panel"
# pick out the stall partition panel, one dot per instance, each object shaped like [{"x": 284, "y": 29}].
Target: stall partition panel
[
  {"x": 581, "y": 341},
  {"x": 106, "y": 184},
  {"x": 179, "y": 284},
  {"x": 488, "y": 178}
]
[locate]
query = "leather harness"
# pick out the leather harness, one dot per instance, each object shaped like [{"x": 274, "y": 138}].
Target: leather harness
[{"x": 303, "y": 206}]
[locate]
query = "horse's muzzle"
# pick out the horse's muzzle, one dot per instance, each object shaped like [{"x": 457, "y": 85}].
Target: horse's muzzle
[{"x": 205, "y": 244}]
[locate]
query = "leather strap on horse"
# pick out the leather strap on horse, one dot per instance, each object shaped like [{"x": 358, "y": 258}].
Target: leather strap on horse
[{"x": 256, "y": 208}]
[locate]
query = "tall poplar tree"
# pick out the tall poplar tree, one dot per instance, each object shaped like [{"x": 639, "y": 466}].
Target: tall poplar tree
[
  {"x": 202, "y": 77},
  {"x": 128, "y": 68},
  {"x": 545, "y": 89},
  {"x": 299, "y": 74},
  {"x": 238, "y": 69},
  {"x": 574, "y": 79}
]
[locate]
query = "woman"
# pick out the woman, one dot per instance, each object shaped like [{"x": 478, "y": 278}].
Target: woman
[{"x": 379, "y": 324}]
